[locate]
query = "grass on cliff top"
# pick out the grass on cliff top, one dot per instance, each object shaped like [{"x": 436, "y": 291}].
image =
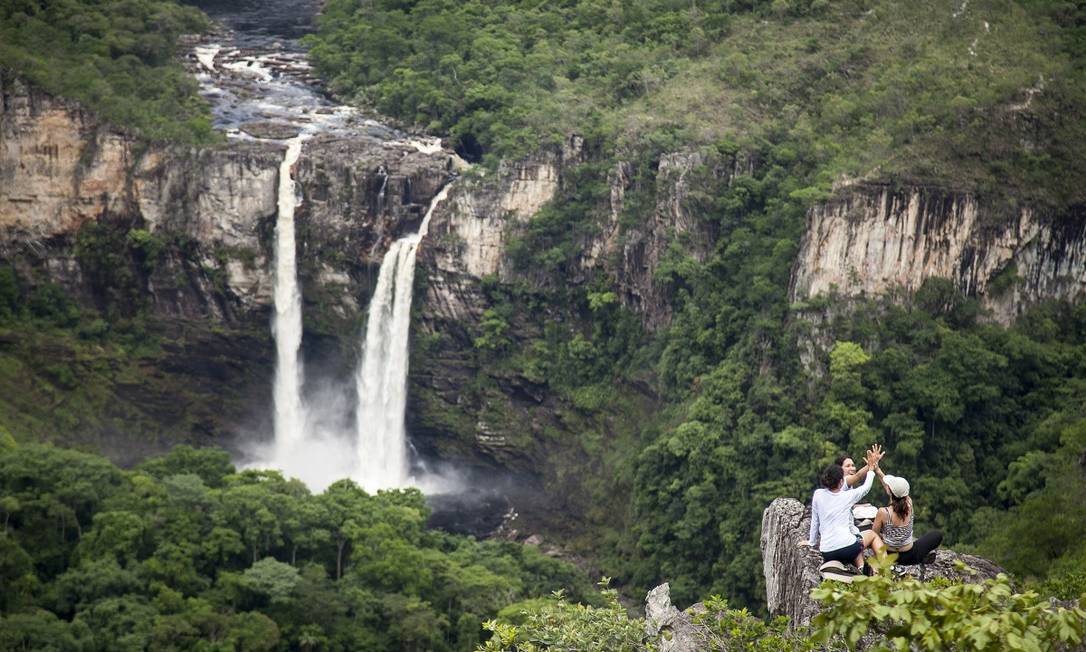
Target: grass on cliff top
[
  {"x": 115, "y": 56},
  {"x": 984, "y": 95}
]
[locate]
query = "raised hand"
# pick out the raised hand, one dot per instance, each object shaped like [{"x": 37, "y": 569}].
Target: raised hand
[
  {"x": 873, "y": 455},
  {"x": 877, "y": 449}
]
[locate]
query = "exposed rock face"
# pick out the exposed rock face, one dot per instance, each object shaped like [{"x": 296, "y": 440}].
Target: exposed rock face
[
  {"x": 633, "y": 257},
  {"x": 873, "y": 239},
  {"x": 644, "y": 247},
  {"x": 60, "y": 168},
  {"x": 448, "y": 417},
  {"x": 791, "y": 570},
  {"x": 56, "y": 169},
  {"x": 211, "y": 215},
  {"x": 468, "y": 234}
]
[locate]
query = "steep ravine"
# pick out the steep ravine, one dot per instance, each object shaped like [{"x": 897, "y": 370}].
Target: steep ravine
[{"x": 208, "y": 291}]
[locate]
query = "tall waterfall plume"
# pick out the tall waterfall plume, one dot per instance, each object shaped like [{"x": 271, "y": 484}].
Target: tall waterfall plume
[
  {"x": 381, "y": 378},
  {"x": 290, "y": 416}
]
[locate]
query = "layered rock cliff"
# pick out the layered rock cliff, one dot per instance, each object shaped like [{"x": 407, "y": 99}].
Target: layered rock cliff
[
  {"x": 61, "y": 169},
  {"x": 184, "y": 236},
  {"x": 872, "y": 239}
]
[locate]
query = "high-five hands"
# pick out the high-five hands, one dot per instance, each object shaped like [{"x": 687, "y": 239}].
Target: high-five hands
[{"x": 874, "y": 454}]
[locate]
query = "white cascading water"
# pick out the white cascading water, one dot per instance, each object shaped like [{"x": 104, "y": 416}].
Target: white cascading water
[
  {"x": 249, "y": 78},
  {"x": 290, "y": 416},
  {"x": 381, "y": 379}
]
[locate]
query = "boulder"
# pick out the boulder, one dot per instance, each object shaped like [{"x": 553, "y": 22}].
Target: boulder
[{"x": 676, "y": 630}]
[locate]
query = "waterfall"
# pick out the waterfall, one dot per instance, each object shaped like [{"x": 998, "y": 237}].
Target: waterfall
[
  {"x": 381, "y": 378},
  {"x": 287, "y": 327}
]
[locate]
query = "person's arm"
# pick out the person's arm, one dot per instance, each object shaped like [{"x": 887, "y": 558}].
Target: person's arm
[
  {"x": 861, "y": 491},
  {"x": 812, "y": 539},
  {"x": 882, "y": 481},
  {"x": 876, "y": 527}
]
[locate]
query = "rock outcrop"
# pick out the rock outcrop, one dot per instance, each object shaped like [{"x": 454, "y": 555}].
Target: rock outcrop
[
  {"x": 674, "y": 630},
  {"x": 791, "y": 570},
  {"x": 872, "y": 239},
  {"x": 468, "y": 234}
]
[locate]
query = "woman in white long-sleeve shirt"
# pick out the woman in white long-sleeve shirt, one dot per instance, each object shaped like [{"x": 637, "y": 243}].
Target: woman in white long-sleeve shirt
[{"x": 831, "y": 517}]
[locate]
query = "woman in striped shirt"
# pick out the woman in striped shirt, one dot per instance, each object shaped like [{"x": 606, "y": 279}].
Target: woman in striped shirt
[{"x": 894, "y": 524}]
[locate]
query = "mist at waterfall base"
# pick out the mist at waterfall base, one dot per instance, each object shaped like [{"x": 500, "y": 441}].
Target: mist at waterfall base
[{"x": 328, "y": 449}]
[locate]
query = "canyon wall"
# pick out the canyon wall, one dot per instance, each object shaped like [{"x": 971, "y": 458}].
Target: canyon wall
[
  {"x": 180, "y": 240},
  {"x": 873, "y": 239}
]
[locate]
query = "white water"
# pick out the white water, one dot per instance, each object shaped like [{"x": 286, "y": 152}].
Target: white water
[
  {"x": 381, "y": 379},
  {"x": 206, "y": 56},
  {"x": 290, "y": 416},
  {"x": 315, "y": 440}
]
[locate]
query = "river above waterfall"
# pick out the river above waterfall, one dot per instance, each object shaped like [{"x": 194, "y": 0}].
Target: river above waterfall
[{"x": 289, "y": 19}]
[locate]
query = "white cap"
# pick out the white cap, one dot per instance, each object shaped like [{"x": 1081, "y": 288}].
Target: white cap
[{"x": 899, "y": 487}]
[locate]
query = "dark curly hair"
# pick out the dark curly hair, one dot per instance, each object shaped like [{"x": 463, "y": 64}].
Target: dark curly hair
[{"x": 831, "y": 476}]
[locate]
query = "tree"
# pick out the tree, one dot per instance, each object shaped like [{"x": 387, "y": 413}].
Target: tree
[
  {"x": 212, "y": 465},
  {"x": 345, "y": 503},
  {"x": 272, "y": 580},
  {"x": 40, "y": 631}
]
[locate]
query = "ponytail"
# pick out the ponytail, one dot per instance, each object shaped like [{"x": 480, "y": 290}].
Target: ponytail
[{"x": 900, "y": 506}]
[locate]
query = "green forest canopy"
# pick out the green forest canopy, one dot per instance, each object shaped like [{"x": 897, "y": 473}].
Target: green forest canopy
[
  {"x": 119, "y": 57},
  {"x": 186, "y": 552}
]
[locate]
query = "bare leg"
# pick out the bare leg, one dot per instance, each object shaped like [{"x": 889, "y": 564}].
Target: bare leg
[
  {"x": 874, "y": 541},
  {"x": 870, "y": 540}
]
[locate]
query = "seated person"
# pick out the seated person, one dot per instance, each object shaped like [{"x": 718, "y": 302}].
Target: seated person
[
  {"x": 894, "y": 524},
  {"x": 832, "y": 526}
]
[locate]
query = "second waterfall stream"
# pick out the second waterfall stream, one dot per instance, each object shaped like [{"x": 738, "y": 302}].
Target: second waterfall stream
[{"x": 381, "y": 380}]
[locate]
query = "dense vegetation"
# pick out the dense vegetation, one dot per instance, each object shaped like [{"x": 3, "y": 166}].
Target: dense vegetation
[
  {"x": 981, "y": 96},
  {"x": 116, "y": 56},
  {"x": 897, "y": 614},
  {"x": 924, "y": 89},
  {"x": 185, "y": 552}
]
